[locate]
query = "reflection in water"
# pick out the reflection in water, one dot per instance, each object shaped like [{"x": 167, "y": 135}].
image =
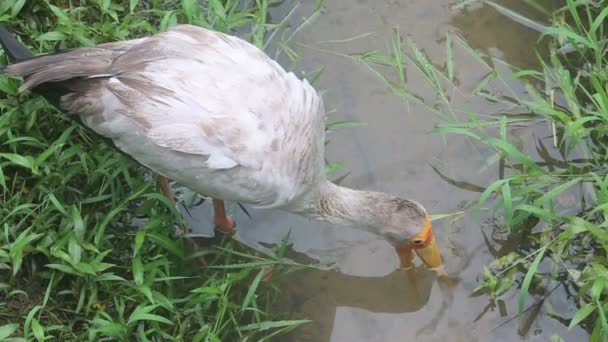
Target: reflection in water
[
  {"x": 324, "y": 295},
  {"x": 320, "y": 294},
  {"x": 329, "y": 296}
]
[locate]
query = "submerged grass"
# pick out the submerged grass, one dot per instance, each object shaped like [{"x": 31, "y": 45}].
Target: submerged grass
[
  {"x": 86, "y": 251},
  {"x": 554, "y": 198}
]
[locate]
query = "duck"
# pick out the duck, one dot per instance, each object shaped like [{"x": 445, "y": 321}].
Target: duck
[{"x": 213, "y": 112}]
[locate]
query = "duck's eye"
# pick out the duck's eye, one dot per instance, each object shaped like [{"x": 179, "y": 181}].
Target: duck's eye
[{"x": 418, "y": 242}]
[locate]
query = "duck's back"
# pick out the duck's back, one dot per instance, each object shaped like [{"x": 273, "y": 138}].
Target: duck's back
[{"x": 206, "y": 109}]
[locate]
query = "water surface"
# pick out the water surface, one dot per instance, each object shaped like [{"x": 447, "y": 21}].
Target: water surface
[{"x": 368, "y": 298}]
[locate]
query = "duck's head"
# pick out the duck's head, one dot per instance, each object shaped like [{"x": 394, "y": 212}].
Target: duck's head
[
  {"x": 407, "y": 226},
  {"x": 403, "y": 223}
]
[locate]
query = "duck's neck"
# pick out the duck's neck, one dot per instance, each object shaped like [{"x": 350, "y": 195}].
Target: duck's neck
[{"x": 343, "y": 206}]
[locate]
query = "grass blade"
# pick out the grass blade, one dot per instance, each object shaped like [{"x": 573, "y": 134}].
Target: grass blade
[
  {"x": 525, "y": 285},
  {"x": 518, "y": 18},
  {"x": 449, "y": 58},
  {"x": 7, "y": 330},
  {"x": 253, "y": 288}
]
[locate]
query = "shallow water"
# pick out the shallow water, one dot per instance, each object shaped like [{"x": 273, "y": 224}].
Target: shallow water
[{"x": 368, "y": 298}]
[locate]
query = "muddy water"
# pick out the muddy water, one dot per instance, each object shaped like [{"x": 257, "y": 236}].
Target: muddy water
[{"x": 367, "y": 298}]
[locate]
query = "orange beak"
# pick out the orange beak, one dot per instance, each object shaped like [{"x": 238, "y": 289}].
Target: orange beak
[{"x": 424, "y": 245}]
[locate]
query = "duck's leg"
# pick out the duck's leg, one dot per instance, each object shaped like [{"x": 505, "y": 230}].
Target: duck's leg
[
  {"x": 166, "y": 188},
  {"x": 222, "y": 222},
  {"x": 225, "y": 224}
]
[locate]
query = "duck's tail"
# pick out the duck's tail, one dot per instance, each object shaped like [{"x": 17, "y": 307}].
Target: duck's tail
[
  {"x": 18, "y": 53},
  {"x": 14, "y": 50}
]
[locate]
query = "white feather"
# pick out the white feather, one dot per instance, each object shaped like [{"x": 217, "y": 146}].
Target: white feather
[{"x": 218, "y": 113}]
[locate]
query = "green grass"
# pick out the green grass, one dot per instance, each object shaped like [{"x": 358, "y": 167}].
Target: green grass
[
  {"x": 564, "y": 244},
  {"x": 75, "y": 264}
]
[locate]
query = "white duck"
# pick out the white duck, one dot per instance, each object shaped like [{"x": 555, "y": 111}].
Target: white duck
[{"x": 215, "y": 113}]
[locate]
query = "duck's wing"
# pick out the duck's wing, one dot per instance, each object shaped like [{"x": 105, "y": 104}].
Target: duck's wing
[{"x": 189, "y": 90}]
